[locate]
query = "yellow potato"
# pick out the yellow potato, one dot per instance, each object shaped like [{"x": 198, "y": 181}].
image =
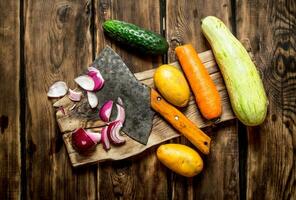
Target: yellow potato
[
  {"x": 172, "y": 85},
  {"x": 180, "y": 159}
]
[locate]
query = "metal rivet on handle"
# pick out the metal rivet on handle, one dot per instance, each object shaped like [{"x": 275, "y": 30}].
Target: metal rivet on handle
[
  {"x": 176, "y": 117},
  {"x": 158, "y": 98}
]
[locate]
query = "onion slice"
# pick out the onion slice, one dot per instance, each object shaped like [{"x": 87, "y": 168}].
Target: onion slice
[
  {"x": 120, "y": 114},
  {"x": 75, "y": 95},
  {"x": 114, "y": 132},
  {"x": 85, "y": 82},
  {"x": 97, "y": 78},
  {"x": 61, "y": 108},
  {"x": 58, "y": 89},
  {"x": 106, "y": 110},
  {"x": 96, "y": 137},
  {"x": 93, "y": 69},
  {"x": 119, "y": 101},
  {"x": 81, "y": 141},
  {"x": 92, "y": 99},
  {"x": 105, "y": 139}
]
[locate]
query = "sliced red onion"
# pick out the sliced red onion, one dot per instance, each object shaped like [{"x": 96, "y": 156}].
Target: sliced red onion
[
  {"x": 92, "y": 99},
  {"x": 81, "y": 141},
  {"x": 61, "y": 108},
  {"x": 58, "y": 89},
  {"x": 74, "y": 95},
  {"x": 114, "y": 132},
  {"x": 85, "y": 82},
  {"x": 96, "y": 137},
  {"x": 120, "y": 114},
  {"x": 119, "y": 101},
  {"x": 104, "y": 138},
  {"x": 106, "y": 110},
  {"x": 90, "y": 69},
  {"x": 97, "y": 78},
  {"x": 98, "y": 82}
]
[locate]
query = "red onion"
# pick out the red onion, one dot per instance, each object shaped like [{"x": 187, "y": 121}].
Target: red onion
[
  {"x": 106, "y": 110},
  {"x": 119, "y": 101},
  {"x": 92, "y": 99},
  {"x": 97, "y": 78},
  {"x": 104, "y": 138},
  {"x": 81, "y": 141},
  {"x": 93, "y": 69},
  {"x": 114, "y": 132},
  {"x": 120, "y": 114},
  {"x": 61, "y": 108},
  {"x": 74, "y": 95},
  {"x": 58, "y": 89},
  {"x": 85, "y": 82},
  {"x": 96, "y": 137}
]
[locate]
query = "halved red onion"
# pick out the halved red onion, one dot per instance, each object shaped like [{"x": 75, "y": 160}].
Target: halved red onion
[
  {"x": 92, "y": 99},
  {"x": 86, "y": 82},
  {"x": 104, "y": 138},
  {"x": 58, "y": 89},
  {"x": 106, "y": 110},
  {"x": 81, "y": 141},
  {"x": 96, "y": 137},
  {"x": 114, "y": 132},
  {"x": 75, "y": 95},
  {"x": 120, "y": 114},
  {"x": 97, "y": 78}
]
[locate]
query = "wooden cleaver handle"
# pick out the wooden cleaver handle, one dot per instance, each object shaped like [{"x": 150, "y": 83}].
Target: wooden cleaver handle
[{"x": 180, "y": 122}]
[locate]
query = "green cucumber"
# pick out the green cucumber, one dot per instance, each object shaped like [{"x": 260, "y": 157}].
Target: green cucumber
[
  {"x": 244, "y": 85},
  {"x": 133, "y": 36}
]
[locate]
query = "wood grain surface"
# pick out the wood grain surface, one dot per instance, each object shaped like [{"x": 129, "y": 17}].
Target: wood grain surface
[
  {"x": 271, "y": 157},
  {"x": 58, "y": 46},
  {"x": 10, "y": 146},
  {"x": 183, "y": 26},
  {"x": 49, "y": 40}
]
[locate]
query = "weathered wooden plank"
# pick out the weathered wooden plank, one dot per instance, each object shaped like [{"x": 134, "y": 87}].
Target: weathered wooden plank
[
  {"x": 58, "y": 46},
  {"x": 136, "y": 178},
  {"x": 10, "y": 154},
  {"x": 183, "y": 26},
  {"x": 271, "y": 169}
]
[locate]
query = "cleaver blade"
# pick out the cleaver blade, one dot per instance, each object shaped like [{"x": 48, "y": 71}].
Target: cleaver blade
[{"x": 121, "y": 82}]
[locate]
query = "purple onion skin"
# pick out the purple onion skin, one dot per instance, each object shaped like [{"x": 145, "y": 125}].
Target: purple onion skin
[
  {"x": 102, "y": 113},
  {"x": 82, "y": 142}
]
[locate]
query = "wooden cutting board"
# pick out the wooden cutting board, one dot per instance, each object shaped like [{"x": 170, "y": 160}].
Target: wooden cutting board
[{"x": 161, "y": 131}]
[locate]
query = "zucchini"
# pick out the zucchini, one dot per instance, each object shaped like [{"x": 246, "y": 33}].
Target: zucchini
[
  {"x": 244, "y": 85},
  {"x": 131, "y": 35}
]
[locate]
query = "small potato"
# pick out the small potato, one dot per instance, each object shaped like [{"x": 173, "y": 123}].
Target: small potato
[
  {"x": 180, "y": 159},
  {"x": 172, "y": 85}
]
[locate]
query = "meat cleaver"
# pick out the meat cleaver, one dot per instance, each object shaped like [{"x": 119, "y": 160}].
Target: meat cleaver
[{"x": 138, "y": 99}]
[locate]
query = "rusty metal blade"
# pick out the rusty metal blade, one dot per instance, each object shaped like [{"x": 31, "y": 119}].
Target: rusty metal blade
[{"x": 121, "y": 82}]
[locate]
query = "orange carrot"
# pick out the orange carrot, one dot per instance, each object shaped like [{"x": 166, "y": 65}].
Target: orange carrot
[{"x": 206, "y": 94}]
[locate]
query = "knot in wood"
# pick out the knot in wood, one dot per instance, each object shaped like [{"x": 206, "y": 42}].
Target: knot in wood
[{"x": 63, "y": 13}]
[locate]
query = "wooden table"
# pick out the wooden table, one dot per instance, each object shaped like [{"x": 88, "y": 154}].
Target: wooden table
[{"x": 45, "y": 41}]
